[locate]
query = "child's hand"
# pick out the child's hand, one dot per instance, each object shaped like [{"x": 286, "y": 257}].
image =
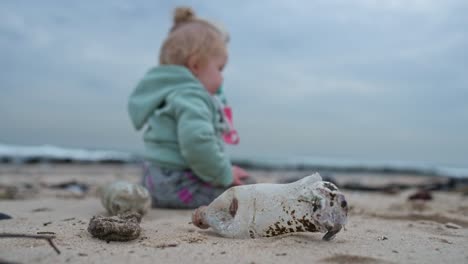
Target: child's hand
[{"x": 239, "y": 175}]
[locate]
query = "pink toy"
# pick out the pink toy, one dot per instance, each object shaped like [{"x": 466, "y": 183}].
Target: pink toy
[{"x": 230, "y": 137}]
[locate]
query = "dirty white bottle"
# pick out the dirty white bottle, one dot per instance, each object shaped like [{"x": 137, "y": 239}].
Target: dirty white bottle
[
  {"x": 123, "y": 197},
  {"x": 264, "y": 210}
]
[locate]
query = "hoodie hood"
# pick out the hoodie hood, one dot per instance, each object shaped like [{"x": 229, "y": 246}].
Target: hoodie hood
[{"x": 152, "y": 91}]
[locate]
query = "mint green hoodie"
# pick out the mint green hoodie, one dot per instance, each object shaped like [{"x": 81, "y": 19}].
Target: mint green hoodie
[{"x": 183, "y": 124}]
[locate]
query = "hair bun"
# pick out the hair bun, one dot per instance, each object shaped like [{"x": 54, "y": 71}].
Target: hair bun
[{"x": 183, "y": 15}]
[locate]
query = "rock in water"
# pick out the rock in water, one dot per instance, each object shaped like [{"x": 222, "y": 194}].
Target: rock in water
[{"x": 264, "y": 210}]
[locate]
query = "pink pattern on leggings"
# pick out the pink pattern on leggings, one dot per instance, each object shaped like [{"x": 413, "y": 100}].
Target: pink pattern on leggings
[
  {"x": 185, "y": 195},
  {"x": 193, "y": 178}
]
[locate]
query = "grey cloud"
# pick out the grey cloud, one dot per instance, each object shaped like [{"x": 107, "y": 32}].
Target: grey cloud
[{"x": 363, "y": 79}]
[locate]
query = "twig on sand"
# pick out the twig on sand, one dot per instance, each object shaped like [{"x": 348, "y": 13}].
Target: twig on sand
[{"x": 46, "y": 237}]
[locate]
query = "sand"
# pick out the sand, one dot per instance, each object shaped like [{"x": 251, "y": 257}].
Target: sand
[{"x": 382, "y": 228}]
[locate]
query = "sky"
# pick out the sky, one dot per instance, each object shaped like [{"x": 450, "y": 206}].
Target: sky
[{"x": 341, "y": 79}]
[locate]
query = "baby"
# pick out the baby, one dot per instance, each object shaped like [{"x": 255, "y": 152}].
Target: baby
[{"x": 187, "y": 165}]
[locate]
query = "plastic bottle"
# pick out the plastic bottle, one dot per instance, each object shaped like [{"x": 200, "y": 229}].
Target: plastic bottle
[
  {"x": 123, "y": 197},
  {"x": 264, "y": 210}
]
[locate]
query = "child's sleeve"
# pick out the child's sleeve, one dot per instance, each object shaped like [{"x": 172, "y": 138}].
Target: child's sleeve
[{"x": 198, "y": 141}]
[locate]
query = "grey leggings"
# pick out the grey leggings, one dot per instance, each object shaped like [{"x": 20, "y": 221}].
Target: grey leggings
[{"x": 177, "y": 189}]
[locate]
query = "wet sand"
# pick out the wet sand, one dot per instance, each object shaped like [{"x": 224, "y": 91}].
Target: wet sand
[{"x": 382, "y": 228}]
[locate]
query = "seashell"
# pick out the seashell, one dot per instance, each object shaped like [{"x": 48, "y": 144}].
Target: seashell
[{"x": 122, "y": 197}]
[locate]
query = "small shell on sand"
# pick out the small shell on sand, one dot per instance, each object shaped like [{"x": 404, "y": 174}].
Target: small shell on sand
[{"x": 124, "y": 197}]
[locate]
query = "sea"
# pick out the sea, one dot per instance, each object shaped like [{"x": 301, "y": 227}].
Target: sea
[{"x": 16, "y": 154}]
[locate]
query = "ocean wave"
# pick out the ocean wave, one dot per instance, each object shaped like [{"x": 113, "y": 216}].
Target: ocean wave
[
  {"x": 49, "y": 153},
  {"x": 353, "y": 166}
]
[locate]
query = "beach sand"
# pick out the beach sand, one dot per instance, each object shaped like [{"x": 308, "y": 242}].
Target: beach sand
[{"x": 382, "y": 228}]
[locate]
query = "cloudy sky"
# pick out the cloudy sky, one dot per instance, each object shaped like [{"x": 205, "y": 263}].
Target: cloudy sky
[{"x": 350, "y": 79}]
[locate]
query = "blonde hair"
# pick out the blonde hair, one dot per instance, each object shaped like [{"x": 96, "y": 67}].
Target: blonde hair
[{"x": 191, "y": 36}]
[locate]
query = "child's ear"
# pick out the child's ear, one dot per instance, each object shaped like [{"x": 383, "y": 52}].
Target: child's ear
[{"x": 193, "y": 65}]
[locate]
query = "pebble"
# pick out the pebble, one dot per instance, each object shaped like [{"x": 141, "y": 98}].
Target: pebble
[
  {"x": 4, "y": 216},
  {"x": 452, "y": 226},
  {"x": 382, "y": 238}
]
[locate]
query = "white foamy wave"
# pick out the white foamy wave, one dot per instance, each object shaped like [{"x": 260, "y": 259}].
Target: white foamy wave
[{"x": 48, "y": 152}]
